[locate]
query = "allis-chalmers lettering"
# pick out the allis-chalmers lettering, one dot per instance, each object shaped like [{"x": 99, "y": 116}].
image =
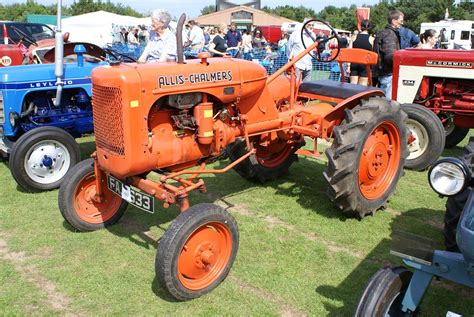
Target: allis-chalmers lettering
[{"x": 194, "y": 78}]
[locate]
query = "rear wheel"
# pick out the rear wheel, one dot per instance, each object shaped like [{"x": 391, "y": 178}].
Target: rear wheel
[
  {"x": 268, "y": 163},
  {"x": 78, "y": 204},
  {"x": 426, "y": 141},
  {"x": 41, "y": 158},
  {"x": 197, "y": 251},
  {"x": 384, "y": 293},
  {"x": 454, "y": 134},
  {"x": 367, "y": 156}
]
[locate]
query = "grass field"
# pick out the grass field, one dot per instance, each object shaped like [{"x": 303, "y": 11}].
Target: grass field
[{"x": 298, "y": 255}]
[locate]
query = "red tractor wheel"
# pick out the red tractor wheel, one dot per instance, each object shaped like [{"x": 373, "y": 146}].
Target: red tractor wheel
[
  {"x": 367, "y": 156},
  {"x": 78, "y": 204},
  {"x": 269, "y": 162},
  {"x": 197, "y": 251}
]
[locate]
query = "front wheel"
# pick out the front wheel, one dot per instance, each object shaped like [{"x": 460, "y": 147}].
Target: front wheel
[
  {"x": 78, "y": 203},
  {"x": 367, "y": 156},
  {"x": 41, "y": 158},
  {"x": 384, "y": 293},
  {"x": 197, "y": 251},
  {"x": 426, "y": 141}
]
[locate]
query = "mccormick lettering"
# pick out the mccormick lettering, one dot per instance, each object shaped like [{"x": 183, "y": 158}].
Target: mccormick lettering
[
  {"x": 449, "y": 64},
  {"x": 176, "y": 80}
]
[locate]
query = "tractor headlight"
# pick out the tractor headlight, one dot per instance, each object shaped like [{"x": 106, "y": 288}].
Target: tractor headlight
[
  {"x": 449, "y": 176},
  {"x": 14, "y": 118}
]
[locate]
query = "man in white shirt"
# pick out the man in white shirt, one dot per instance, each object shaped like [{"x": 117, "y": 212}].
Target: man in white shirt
[
  {"x": 196, "y": 37},
  {"x": 295, "y": 47}
]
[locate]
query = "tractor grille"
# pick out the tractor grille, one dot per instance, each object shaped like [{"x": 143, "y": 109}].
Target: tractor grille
[{"x": 108, "y": 121}]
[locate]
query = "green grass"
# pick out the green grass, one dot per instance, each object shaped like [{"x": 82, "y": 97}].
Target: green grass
[{"x": 297, "y": 255}]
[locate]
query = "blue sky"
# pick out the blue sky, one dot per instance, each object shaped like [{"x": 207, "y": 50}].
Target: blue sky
[{"x": 193, "y": 7}]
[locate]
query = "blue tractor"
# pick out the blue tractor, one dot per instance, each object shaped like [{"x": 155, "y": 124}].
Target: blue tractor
[
  {"x": 38, "y": 125},
  {"x": 397, "y": 291}
]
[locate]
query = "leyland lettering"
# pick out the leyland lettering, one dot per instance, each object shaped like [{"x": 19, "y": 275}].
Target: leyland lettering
[{"x": 177, "y": 80}]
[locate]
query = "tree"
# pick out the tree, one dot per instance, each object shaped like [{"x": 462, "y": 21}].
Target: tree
[{"x": 208, "y": 9}]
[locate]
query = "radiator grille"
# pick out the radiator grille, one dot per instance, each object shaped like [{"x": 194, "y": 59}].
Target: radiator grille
[{"x": 108, "y": 121}]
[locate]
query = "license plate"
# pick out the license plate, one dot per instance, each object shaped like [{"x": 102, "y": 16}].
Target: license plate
[{"x": 134, "y": 197}]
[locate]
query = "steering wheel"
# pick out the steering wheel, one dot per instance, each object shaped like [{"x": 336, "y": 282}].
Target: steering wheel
[
  {"x": 120, "y": 56},
  {"x": 309, "y": 32},
  {"x": 24, "y": 37}
]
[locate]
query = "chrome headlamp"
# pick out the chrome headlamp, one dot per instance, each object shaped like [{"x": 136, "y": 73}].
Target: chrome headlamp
[
  {"x": 14, "y": 118},
  {"x": 449, "y": 176}
]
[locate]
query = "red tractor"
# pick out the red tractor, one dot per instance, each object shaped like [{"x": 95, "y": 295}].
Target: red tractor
[
  {"x": 171, "y": 117},
  {"x": 442, "y": 81}
]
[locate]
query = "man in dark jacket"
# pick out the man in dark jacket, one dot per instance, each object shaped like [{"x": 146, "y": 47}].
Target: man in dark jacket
[{"x": 386, "y": 43}]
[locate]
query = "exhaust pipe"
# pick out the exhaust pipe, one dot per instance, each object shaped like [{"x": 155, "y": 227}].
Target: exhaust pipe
[
  {"x": 58, "y": 57},
  {"x": 179, "y": 39}
]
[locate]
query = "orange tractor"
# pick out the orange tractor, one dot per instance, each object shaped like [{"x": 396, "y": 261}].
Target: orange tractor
[{"x": 170, "y": 117}]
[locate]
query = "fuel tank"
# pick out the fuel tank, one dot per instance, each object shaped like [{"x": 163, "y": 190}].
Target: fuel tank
[{"x": 124, "y": 94}]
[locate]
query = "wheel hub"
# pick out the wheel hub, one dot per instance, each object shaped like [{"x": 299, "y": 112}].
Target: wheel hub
[{"x": 47, "y": 162}]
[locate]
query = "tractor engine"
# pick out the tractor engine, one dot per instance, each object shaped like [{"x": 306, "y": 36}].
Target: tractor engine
[
  {"x": 449, "y": 94},
  {"x": 74, "y": 114}
]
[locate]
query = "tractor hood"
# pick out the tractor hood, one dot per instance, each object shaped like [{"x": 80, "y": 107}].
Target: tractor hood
[
  {"x": 225, "y": 78},
  {"x": 42, "y": 74}
]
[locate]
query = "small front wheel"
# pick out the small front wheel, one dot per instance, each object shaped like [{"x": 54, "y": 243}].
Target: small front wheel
[
  {"x": 384, "y": 293},
  {"x": 197, "y": 251},
  {"x": 78, "y": 203}
]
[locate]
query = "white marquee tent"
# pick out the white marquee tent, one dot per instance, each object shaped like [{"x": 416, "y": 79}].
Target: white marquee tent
[{"x": 99, "y": 27}]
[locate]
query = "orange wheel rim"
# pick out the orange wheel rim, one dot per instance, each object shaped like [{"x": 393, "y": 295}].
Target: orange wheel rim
[
  {"x": 204, "y": 256},
  {"x": 273, "y": 155},
  {"x": 379, "y": 160},
  {"x": 88, "y": 209}
]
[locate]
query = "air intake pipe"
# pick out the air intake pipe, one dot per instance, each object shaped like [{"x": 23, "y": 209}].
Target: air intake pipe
[{"x": 179, "y": 38}]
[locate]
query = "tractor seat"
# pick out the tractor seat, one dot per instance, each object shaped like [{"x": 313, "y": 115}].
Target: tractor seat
[{"x": 334, "y": 89}]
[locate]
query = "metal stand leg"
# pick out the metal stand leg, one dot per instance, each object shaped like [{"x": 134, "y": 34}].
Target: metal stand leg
[{"x": 416, "y": 290}]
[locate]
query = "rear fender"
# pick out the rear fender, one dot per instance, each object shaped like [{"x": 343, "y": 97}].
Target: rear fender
[{"x": 337, "y": 113}]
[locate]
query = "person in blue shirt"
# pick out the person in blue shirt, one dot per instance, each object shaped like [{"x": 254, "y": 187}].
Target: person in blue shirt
[
  {"x": 233, "y": 37},
  {"x": 408, "y": 38}
]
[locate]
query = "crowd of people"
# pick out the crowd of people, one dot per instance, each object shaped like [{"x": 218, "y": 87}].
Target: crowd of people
[{"x": 222, "y": 40}]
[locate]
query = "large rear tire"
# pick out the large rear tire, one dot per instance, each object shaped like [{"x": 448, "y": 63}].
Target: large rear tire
[
  {"x": 454, "y": 134},
  {"x": 197, "y": 251},
  {"x": 384, "y": 293},
  {"x": 367, "y": 156},
  {"x": 268, "y": 163},
  {"x": 78, "y": 206},
  {"x": 41, "y": 158},
  {"x": 427, "y": 137},
  {"x": 455, "y": 204}
]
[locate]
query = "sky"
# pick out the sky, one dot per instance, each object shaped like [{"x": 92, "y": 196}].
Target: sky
[{"x": 193, "y": 7}]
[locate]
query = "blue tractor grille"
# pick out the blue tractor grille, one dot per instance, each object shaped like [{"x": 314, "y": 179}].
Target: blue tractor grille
[{"x": 108, "y": 121}]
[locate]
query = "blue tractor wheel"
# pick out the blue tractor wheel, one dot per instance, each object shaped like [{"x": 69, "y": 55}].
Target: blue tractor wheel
[{"x": 41, "y": 158}]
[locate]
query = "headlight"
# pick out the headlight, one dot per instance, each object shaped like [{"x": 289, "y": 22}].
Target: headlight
[
  {"x": 449, "y": 176},
  {"x": 14, "y": 118}
]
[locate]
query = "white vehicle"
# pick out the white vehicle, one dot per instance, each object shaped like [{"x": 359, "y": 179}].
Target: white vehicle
[{"x": 459, "y": 32}]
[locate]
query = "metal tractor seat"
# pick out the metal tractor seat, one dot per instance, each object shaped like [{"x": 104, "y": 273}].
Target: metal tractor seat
[{"x": 334, "y": 89}]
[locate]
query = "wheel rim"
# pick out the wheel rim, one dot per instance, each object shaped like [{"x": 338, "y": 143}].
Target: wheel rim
[
  {"x": 204, "y": 256},
  {"x": 419, "y": 137},
  {"x": 379, "y": 160},
  {"x": 87, "y": 208},
  {"x": 394, "y": 308},
  {"x": 274, "y": 154},
  {"x": 47, "y": 162}
]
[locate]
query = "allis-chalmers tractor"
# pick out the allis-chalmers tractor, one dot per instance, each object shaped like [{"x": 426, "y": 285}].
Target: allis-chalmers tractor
[
  {"x": 442, "y": 81},
  {"x": 170, "y": 117}
]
